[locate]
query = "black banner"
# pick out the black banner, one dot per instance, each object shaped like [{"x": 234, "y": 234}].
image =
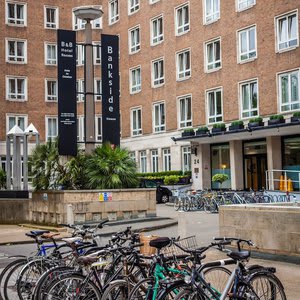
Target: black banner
[
  {"x": 67, "y": 113},
  {"x": 110, "y": 89}
]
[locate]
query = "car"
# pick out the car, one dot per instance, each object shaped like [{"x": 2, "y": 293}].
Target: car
[{"x": 163, "y": 194}]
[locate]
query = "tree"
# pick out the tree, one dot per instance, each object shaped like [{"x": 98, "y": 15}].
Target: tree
[{"x": 2, "y": 179}]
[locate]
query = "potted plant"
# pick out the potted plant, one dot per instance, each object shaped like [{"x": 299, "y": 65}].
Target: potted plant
[
  {"x": 255, "y": 122},
  {"x": 276, "y": 119},
  {"x": 219, "y": 127},
  {"x": 188, "y": 132},
  {"x": 295, "y": 117},
  {"x": 202, "y": 130},
  {"x": 236, "y": 125},
  {"x": 219, "y": 177}
]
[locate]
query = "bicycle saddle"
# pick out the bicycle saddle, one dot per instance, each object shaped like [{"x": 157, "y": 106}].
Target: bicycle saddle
[
  {"x": 38, "y": 232},
  {"x": 239, "y": 255},
  {"x": 160, "y": 242}
]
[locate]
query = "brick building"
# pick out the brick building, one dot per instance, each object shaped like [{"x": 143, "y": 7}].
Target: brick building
[{"x": 183, "y": 64}]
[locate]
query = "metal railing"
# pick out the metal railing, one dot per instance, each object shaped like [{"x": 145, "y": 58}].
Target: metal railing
[{"x": 281, "y": 180}]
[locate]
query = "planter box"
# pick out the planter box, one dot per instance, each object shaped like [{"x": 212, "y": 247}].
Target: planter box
[
  {"x": 255, "y": 124},
  {"x": 201, "y": 132},
  {"x": 276, "y": 121},
  {"x": 183, "y": 134},
  {"x": 236, "y": 127},
  {"x": 295, "y": 119},
  {"x": 217, "y": 130}
]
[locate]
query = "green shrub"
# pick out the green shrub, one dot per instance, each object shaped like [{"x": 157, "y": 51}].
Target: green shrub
[
  {"x": 2, "y": 179},
  {"x": 277, "y": 117},
  {"x": 219, "y": 125},
  {"x": 236, "y": 123},
  {"x": 256, "y": 119},
  {"x": 188, "y": 130},
  {"x": 171, "y": 180},
  {"x": 204, "y": 128},
  {"x": 296, "y": 114},
  {"x": 220, "y": 178}
]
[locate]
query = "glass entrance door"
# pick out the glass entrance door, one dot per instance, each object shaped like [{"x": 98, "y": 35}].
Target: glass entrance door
[{"x": 255, "y": 171}]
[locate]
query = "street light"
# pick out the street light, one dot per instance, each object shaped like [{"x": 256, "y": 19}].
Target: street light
[{"x": 88, "y": 14}]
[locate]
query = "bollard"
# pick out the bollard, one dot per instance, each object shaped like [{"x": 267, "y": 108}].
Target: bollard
[{"x": 70, "y": 215}]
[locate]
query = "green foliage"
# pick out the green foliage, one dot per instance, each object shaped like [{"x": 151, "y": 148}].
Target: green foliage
[
  {"x": 220, "y": 178},
  {"x": 171, "y": 180},
  {"x": 219, "y": 125},
  {"x": 296, "y": 114},
  {"x": 237, "y": 123},
  {"x": 204, "y": 128},
  {"x": 163, "y": 174},
  {"x": 277, "y": 117},
  {"x": 2, "y": 179},
  {"x": 188, "y": 130},
  {"x": 256, "y": 119}
]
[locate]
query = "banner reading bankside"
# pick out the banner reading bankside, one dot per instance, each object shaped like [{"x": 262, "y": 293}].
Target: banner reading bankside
[{"x": 110, "y": 89}]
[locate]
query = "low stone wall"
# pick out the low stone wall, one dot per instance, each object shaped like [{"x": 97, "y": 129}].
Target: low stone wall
[
  {"x": 14, "y": 211},
  {"x": 54, "y": 207},
  {"x": 274, "y": 228}
]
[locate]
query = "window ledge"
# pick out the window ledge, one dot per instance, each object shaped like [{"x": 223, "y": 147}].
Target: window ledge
[
  {"x": 158, "y": 85},
  {"x": 247, "y": 60},
  {"x": 182, "y": 33},
  {"x": 287, "y": 49},
  {"x": 155, "y": 44},
  {"x": 211, "y": 22},
  {"x": 134, "y": 93},
  {"x": 213, "y": 70},
  {"x": 16, "y": 62},
  {"x": 133, "y": 13},
  {"x": 246, "y": 8},
  {"x": 134, "y": 52},
  {"x": 16, "y": 100},
  {"x": 183, "y": 79},
  {"x": 113, "y": 23},
  {"x": 16, "y": 25}
]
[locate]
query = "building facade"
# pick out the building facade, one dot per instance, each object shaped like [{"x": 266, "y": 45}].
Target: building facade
[{"x": 183, "y": 64}]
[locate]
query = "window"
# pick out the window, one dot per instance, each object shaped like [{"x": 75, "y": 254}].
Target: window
[
  {"x": 133, "y": 6},
  {"x": 287, "y": 34},
  {"x": 98, "y": 131},
  {"x": 157, "y": 30},
  {"x": 51, "y": 128},
  {"x": 97, "y": 53},
  {"x": 183, "y": 65},
  {"x": 213, "y": 55},
  {"x": 153, "y": 1},
  {"x": 159, "y": 117},
  {"x": 135, "y": 80},
  {"x": 16, "y": 88},
  {"x": 143, "y": 162},
  {"x": 158, "y": 76},
  {"x": 247, "y": 44},
  {"x": 98, "y": 89},
  {"x": 186, "y": 158},
  {"x": 154, "y": 160},
  {"x": 211, "y": 11},
  {"x": 12, "y": 120},
  {"x": 185, "y": 111},
  {"x": 244, "y": 4},
  {"x": 16, "y": 51},
  {"x": 182, "y": 21},
  {"x": 166, "y": 159},
  {"x": 134, "y": 40},
  {"x": 80, "y": 57},
  {"x": 51, "y": 17},
  {"x": 51, "y": 90},
  {"x": 113, "y": 11},
  {"x": 78, "y": 24},
  {"x": 80, "y": 90},
  {"x": 136, "y": 121},
  {"x": 50, "y": 54},
  {"x": 132, "y": 155},
  {"x": 214, "y": 101},
  {"x": 97, "y": 23},
  {"x": 16, "y": 13},
  {"x": 249, "y": 98},
  {"x": 80, "y": 128},
  {"x": 289, "y": 90}
]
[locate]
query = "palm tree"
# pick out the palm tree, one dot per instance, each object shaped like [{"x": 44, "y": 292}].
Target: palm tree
[{"x": 110, "y": 168}]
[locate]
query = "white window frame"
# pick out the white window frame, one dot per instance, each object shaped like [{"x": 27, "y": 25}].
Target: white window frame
[
  {"x": 138, "y": 130},
  {"x": 166, "y": 159},
  {"x": 48, "y": 97},
  {"x": 159, "y": 37},
  {"x": 250, "y": 111},
  {"x": 143, "y": 161},
  {"x": 133, "y": 6},
  {"x": 98, "y": 91},
  {"x": 154, "y": 160},
  {"x": 97, "y": 23},
  {"x": 50, "y": 61},
  {"x": 277, "y": 19},
  {"x": 185, "y": 27},
  {"x": 185, "y": 121},
  {"x": 214, "y": 62},
  {"x": 212, "y": 17},
  {"x": 17, "y": 22},
  {"x": 186, "y": 156},
  {"x": 19, "y": 97},
  {"x": 98, "y": 128},
  {"x": 15, "y": 59},
  {"x": 185, "y": 73},
  {"x": 159, "y": 124},
  {"x": 80, "y": 89},
  {"x": 134, "y": 89},
  {"x": 77, "y": 24},
  {"x": 97, "y": 53},
  {"x": 80, "y": 128},
  {"x": 153, "y": 1},
  {"x": 134, "y": 39},
  {"x": 47, "y": 136},
  {"x": 113, "y": 12},
  {"x": 51, "y": 25},
  {"x": 242, "y": 5},
  {"x": 80, "y": 55},
  {"x": 159, "y": 80},
  {"x": 16, "y": 117},
  {"x": 217, "y": 118},
  {"x": 248, "y": 51},
  {"x": 290, "y": 102}
]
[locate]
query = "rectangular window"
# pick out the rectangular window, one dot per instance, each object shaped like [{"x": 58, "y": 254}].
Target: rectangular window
[
  {"x": 16, "y": 88},
  {"x": 132, "y": 155},
  {"x": 16, "y": 13},
  {"x": 185, "y": 111},
  {"x": 186, "y": 158},
  {"x": 245, "y": 4},
  {"x": 249, "y": 98},
  {"x": 51, "y": 128},
  {"x": 51, "y": 90},
  {"x": 154, "y": 160},
  {"x": 78, "y": 24},
  {"x": 158, "y": 74},
  {"x": 97, "y": 23},
  {"x": 113, "y": 11},
  {"x": 157, "y": 30},
  {"x": 159, "y": 117},
  {"x": 183, "y": 65},
  {"x": 133, "y": 6},
  {"x": 143, "y": 162},
  {"x": 51, "y": 17},
  {"x": 136, "y": 121},
  {"x": 287, "y": 32},
  {"x": 134, "y": 40},
  {"x": 182, "y": 21},
  {"x": 135, "y": 80},
  {"x": 50, "y": 54},
  {"x": 80, "y": 55},
  {"x": 247, "y": 44},
  {"x": 213, "y": 55},
  {"x": 98, "y": 128},
  {"x": 166, "y": 159},
  {"x": 12, "y": 120},
  {"x": 16, "y": 51},
  {"x": 289, "y": 90},
  {"x": 211, "y": 11},
  {"x": 98, "y": 89},
  {"x": 97, "y": 53},
  {"x": 214, "y": 101},
  {"x": 80, "y": 128},
  {"x": 80, "y": 90}
]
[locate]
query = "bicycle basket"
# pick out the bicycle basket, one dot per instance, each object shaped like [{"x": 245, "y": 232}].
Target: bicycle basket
[{"x": 188, "y": 242}]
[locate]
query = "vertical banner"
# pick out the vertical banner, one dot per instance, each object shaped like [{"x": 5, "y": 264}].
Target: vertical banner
[
  {"x": 67, "y": 113},
  {"x": 110, "y": 89}
]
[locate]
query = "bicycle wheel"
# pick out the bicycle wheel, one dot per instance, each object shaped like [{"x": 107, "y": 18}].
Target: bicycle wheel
[
  {"x": 172, "y": 290},
  {"x": 187, "y": 204},
  {"x": 189, "y": 294},
  {"x": 207, "y": 207},
  {"x": 118, "y": 290},
  {"x": 177, "y": 203},
  {"x": 144, "y": 290}
]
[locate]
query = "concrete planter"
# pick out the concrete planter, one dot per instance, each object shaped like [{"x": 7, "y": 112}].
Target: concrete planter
[
  {"x": 218, "y": 130},
  {"x": 276, "y": 121},
  {"x": 295, "y": 119},
  {"x": 201, "y": 132},
  {"x": 190, "y": 133},
  {"x": 236, "y": 127},
  {"x": 255, "y": 124}
]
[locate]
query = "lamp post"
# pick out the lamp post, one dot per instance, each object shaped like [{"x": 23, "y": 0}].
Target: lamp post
[{"x": 89, "y": 13}]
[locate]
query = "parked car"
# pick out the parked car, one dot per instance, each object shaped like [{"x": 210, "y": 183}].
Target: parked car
[{"x": 163, "y": 194}]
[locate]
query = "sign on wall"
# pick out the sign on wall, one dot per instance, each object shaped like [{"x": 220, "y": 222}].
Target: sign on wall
[
  {"x": 110, "y": 89},
  {"x": 67, "y": 112}
]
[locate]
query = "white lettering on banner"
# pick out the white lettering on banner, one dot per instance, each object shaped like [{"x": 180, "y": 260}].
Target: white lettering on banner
[{"x": 109, "y": 49}]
